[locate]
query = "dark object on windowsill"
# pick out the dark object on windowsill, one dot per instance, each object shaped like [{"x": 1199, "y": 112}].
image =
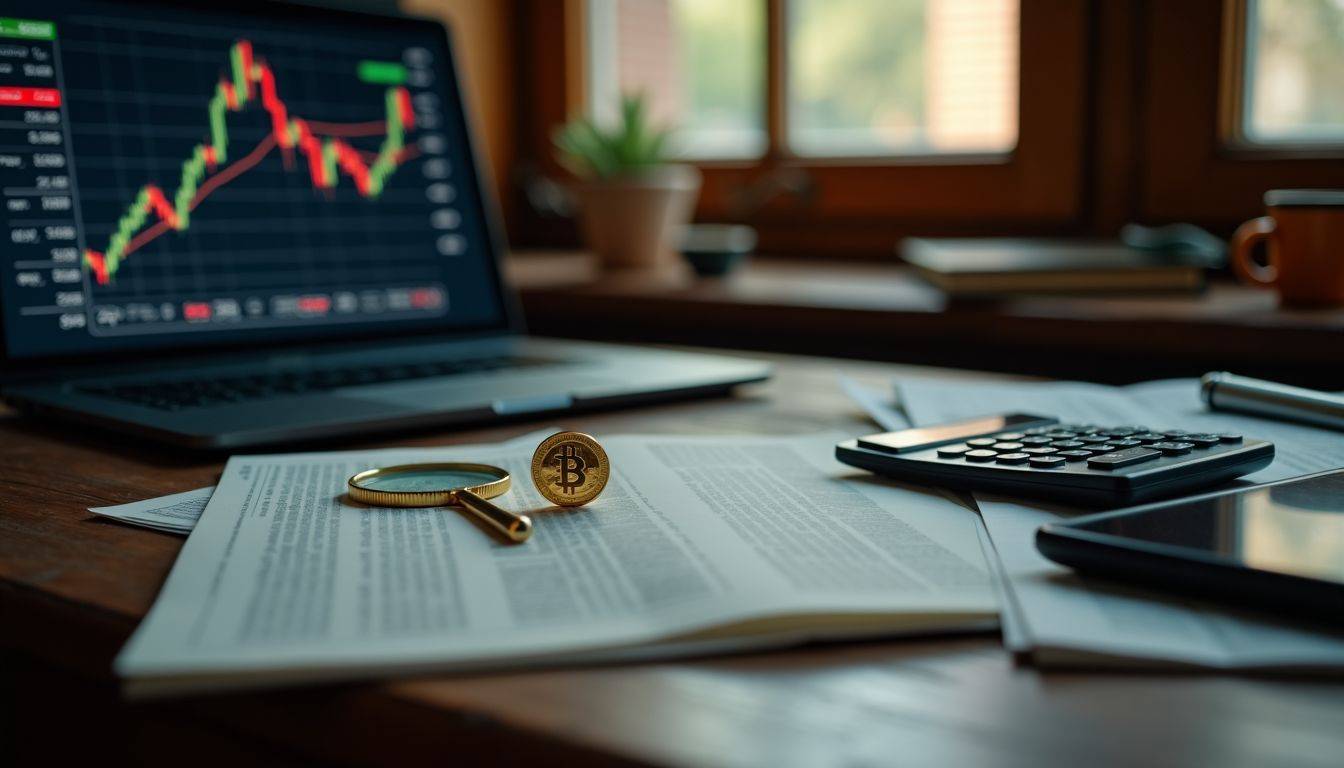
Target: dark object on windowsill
[
  {"x": 717, "y": 249},
  {"x": 1144, "y": 259}
]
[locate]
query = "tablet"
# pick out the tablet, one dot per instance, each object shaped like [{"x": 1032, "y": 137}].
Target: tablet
[{"x": 1278, "y": 546}]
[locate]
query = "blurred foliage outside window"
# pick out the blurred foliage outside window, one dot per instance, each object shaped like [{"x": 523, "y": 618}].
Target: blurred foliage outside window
[
  {"x": 1294, "y": 75},
  {"x": 864, "y": 77}
]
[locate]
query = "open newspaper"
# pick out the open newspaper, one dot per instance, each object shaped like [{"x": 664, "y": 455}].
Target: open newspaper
[{"x": 697, "y": 543}]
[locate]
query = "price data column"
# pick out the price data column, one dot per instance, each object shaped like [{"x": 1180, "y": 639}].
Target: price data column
[{"x": 40, "y": 216}]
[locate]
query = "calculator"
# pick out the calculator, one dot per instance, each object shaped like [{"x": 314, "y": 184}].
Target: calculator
[{"x": 1020, "y": 454}]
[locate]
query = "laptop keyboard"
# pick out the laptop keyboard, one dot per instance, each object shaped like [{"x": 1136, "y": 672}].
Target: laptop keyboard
[{"x": 195, "y": 393}]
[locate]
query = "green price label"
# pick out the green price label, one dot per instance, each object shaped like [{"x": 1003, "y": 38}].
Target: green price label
[
  {"x": 381, "y": 72},
  {"x": 27, "y": 29}
]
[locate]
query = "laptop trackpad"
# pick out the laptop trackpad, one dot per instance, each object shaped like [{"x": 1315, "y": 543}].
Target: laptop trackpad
[{"x": 438, "y": 395}]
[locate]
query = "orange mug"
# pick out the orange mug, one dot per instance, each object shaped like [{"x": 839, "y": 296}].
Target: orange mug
[{"x": 1304, "y": 247}]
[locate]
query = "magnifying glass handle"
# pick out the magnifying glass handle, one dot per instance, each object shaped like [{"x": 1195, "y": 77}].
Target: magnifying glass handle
[{"x": 513, "y": 527}]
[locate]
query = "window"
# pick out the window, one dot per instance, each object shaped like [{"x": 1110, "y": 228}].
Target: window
[
  {"x": 701, "y": 63},
  {"x": 864, "y": 77},
  {"x": 1291, "y": 75},
  {"x": 901, "y": 77},
  {"x": 834, "y": 126}
]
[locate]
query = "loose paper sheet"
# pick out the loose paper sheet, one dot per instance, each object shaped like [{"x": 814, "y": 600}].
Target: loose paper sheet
[
  {"x": 876, "y": 404},
  {"x": 1066, "y": 619},
  {"x": 284, "y": 578},
  {"x": 176, "y": 513}
]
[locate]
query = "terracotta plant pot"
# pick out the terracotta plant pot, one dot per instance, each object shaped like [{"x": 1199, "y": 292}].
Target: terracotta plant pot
[{"x": 632, "y": 222}]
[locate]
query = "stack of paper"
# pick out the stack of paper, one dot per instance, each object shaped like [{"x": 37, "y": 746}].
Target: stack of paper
[
  {"x": 1060, "y": 618},
  {"x": 696, "y": 544}
]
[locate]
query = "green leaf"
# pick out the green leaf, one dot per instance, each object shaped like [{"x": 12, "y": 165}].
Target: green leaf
[{"x": 590, "y": 151}]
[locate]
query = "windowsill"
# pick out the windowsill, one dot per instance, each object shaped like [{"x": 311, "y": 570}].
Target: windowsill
[{"x": 884, "y": 312}]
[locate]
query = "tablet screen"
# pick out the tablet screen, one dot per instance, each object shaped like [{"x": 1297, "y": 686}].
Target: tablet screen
[{"x": 1295, "y": 527}]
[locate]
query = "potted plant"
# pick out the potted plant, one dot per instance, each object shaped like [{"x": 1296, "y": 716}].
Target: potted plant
[{"x": 632, "y": 203}]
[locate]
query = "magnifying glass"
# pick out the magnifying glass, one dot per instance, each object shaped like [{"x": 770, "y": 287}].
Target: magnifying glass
[{"x": 443, "y": 485}]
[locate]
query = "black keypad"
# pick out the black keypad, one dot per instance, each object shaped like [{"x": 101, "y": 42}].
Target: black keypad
[
  {"x": 1172, "y": 448},
  {"x": 1083, "y": 463},
  {"x": 1125, "y": 458}
]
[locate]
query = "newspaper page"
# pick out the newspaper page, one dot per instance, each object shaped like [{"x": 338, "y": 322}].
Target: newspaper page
[{"x": 285, "y": 579}]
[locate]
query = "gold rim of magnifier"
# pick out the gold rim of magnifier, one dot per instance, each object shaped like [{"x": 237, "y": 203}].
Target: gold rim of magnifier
[{"x": 444, "y": 498}]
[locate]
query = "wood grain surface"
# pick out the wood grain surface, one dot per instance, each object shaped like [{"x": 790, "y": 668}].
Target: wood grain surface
[{"x": 73, "y": 587}]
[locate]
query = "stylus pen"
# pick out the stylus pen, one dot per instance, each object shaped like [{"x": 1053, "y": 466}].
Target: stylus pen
[{"x": 1227, "y": 392}]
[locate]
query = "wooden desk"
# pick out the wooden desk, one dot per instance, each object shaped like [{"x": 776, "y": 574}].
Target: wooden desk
[
  {"x": 884, "y": 312},
  {"x": 73, "y": 587}
]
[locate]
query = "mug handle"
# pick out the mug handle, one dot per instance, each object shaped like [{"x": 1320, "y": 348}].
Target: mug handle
[{"x": 1245, "y": 239}]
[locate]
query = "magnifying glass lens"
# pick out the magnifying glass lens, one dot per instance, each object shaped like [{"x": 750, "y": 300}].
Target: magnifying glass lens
[{"x": 428, "y": 480}]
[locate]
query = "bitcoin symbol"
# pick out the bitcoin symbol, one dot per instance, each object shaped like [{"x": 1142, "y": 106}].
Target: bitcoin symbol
[{"x": 571, "y": 469}]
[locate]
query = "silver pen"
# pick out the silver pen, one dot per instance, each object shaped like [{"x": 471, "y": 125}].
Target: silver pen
[{"x": 1224, "y": 391}]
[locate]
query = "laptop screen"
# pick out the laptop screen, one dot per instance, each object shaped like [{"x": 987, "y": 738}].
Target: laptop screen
[{"x": 177, "y": 176}]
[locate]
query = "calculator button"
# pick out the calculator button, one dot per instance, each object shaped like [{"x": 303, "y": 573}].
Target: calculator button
[
  {"x": 1172, "y": 448},
  {"x": 1128, "y": 442},
  {"x": 980, "y": 454},
  {"x": 952, "y": 452},
  {"x": 1201, "y": 441},
  {"x": 1102, "y": 447},
  {"x": 1123, "y": 458},
  {"x": 1035, "y": 440},
  {"x": 1229, "y": 437},
  {"x": 1007, "y": 446},
  {"x": 1092, "y": 439},
  {"x": 1118, "y": 432},
  {"x": 1069, "y": 444},
  {"x": 1038, "y": 450},
  {"x": 1074, "y": 455},
  {"x": 1047, "y": 462},
  {"x": 1174, "y": 433},
  {"x": 1148, "y": 437},
  {"x": 1012, "y": 458},
  {"x": 981, "y": 442},
  {"x": 1038, "y": 430},
  {"x": 1061, "y": 434},
  {"x": 1008, "y": 436}
]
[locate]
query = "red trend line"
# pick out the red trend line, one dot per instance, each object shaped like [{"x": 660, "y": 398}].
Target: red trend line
[
  {"x": 230, "y": 173},
  {"x": 349, "y": 130}
]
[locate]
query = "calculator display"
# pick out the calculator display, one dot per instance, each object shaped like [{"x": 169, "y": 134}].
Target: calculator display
[{"x": 923, "y": 437}]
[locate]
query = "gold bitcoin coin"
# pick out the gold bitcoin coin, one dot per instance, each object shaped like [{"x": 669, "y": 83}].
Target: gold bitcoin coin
[{"x": 570, "y": 469}]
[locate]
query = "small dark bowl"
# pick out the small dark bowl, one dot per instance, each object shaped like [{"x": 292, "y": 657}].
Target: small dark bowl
[{"x": 714, "y": 250}]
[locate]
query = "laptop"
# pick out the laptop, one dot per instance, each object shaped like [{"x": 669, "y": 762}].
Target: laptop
[{"x": 242, "y": 224}]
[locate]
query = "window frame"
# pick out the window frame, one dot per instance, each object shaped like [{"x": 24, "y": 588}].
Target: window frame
[
  {"x": 1195, "y": 167},
  {"x": 862, "y": 205}
]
